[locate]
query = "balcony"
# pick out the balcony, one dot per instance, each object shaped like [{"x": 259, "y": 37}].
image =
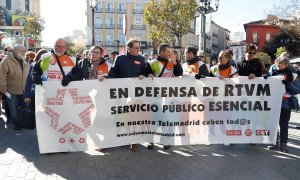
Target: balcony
[
  {"x": 138, "y": 11},
  {"x": 98, "y": 26},
  {"x": 120, "y": 26},
  {"x": 215, "y": 45},
  {"x": 109, "y": 26},
  {"x": 121, "y": 11},
  {"x": 109, "y": 43},
  {"x": 99, "y": 10},
  {"x": 138, "y": 27},
  {"x": 215, "y": 35},
  {"x": 109, "y": 10}
]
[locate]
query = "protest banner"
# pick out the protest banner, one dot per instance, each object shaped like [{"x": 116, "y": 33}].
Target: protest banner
[{"x": 173, "y": 111}]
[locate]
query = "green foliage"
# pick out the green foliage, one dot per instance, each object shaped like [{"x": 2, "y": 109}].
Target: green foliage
[
  {"x": 279, "y": 51},
  {"x": 33, "y": 27},
  {"x": 169, "y": 19},
  {"x": 264, "y": 57},
  {"x": 73, "y": 48}
]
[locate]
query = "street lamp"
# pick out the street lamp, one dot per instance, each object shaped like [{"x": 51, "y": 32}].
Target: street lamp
[
  {"x": 93, "y": 7},
  {"x": 203, "y": 9},
  {"x": 118, "y": 45}
]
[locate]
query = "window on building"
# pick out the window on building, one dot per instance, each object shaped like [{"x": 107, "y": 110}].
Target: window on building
[
  {"x": 138, "y": 21},
  {"x": 110, "y": 6},
  {"x": 27, "y": 5},
  {"x": 98, "y": 7},
  {"x": 121, "y": 7},
  {"x": 255, "y": 37},
  {"x": 109, "y": 22},
  {"x": 8, "y": 4},
  {"x": 110, "y": 38},
  {"x": 268, "y": 37},
  {"x": 138, "y": 8},
  {"x": 121, "y": 38},
  {"x": 120, "y": 23},
  {"x": 98, "y": 22},
  {"x": 98, "y": 39}
]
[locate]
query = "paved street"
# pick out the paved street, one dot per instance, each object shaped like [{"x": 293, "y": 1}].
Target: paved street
[{"x": 20, "y": 159}]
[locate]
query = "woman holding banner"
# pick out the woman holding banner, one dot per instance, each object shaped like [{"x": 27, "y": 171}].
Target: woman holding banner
[{"x": 292, "y": 86}]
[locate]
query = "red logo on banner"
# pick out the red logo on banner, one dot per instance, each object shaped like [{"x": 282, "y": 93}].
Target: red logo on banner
[
  {"x": 262, "y": 133},
  {"x": 81, "y": 140},
  {"x": 71, "y": 140},
  {"x": 62, "y": 140},
  {"x": 233, "y": 132},
  {"x": 248, "y": 132}
]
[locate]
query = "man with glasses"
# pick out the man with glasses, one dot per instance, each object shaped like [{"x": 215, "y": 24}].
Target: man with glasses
[
  {"x": 130, "y": 65},
  {"x": 251, "y": 66},
  {"x": 54, "y": 65}
]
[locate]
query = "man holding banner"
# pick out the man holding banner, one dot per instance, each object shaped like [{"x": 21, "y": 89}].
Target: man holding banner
[{"x": 130, "y": 65}]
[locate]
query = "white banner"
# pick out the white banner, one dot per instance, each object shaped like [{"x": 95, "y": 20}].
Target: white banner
[{"x": 175, "y": 111}]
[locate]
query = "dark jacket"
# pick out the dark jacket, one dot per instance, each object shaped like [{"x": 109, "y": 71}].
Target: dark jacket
[
  {"x": 30, "y": 86},
  {"x": 245, "y": 68},
  {"x": 292, "y": 85},
  {"x": 127, "y": 66}
]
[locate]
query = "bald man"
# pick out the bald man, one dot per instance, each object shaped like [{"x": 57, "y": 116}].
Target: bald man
[{"x": 55, "y": 65}]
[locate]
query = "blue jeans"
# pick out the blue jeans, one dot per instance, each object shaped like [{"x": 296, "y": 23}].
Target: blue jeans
[{"x": 15, "y": 102}]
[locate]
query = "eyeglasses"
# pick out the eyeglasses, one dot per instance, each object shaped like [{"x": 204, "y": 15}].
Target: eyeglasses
[
  {"x": 60, "y": 47},
  {"x": 96, "y": 52},
  {"x": 251, "y": 53},
  {"x": 201, "y": 56}
]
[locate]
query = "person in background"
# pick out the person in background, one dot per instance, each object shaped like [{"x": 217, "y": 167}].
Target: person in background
[
  {"x": 78, "y": 56},
  {"x": 13, "y": 73},
  {"x": 231, "y": 61},
  {"x": 154, "y": 54},
  {"x": 292, "y": 86},
  {"x": 7, "y": 49},
  {"x": 146, "y": 57},
  {"x": 29, "y": 93},
  {"x": 29, "y": 56},
  {"x": 113, "y": 56}
]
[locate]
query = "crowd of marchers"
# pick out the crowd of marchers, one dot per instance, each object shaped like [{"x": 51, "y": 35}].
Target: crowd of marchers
[{"x": 22, "y": 70}]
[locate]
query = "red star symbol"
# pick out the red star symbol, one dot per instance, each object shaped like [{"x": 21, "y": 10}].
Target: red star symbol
[
  {"x": 81, "y": 140},
  {"x": 62, "y": 140},
  {"x": 83, "y": 116},
  {"x": 71, "y": 140}
]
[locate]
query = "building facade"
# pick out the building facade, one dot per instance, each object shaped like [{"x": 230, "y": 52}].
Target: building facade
[
  {"x": 239, "y": 50},
  {"x": 217, "y": 37},
  {"x": 261, "y": 32},
  {"x": 12, "y": 17},
  {"x": 108, "y": 24}
]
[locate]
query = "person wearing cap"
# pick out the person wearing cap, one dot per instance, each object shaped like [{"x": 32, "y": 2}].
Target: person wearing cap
[{"x": 29, "y": 56}]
